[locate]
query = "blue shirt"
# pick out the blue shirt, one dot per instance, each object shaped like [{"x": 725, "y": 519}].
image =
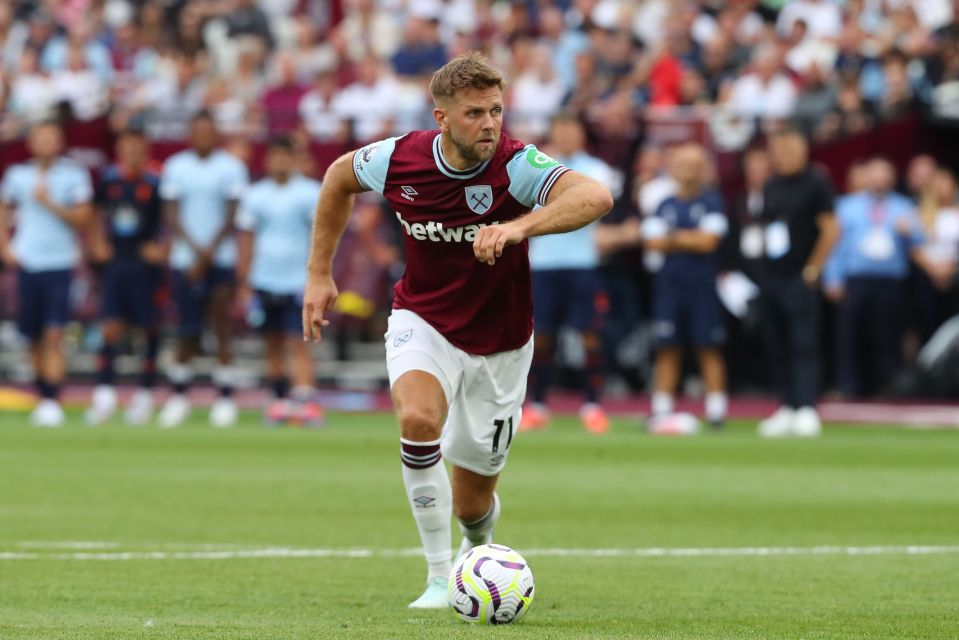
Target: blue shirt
[
  {"x": 204, "y": 188},
  {"x": 870, "y": 242},
  {"x": 575, "y": 249},
  {"x": 55, "y": 54},
  {"x": 280, "y": 216},
  {"x": 705, "y": 213},
  {"x": 131, "y": 209},
  {"x": 44, "y": 242}
]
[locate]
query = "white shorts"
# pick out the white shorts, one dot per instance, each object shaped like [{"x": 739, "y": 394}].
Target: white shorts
[{"x": 484, "y": 394}]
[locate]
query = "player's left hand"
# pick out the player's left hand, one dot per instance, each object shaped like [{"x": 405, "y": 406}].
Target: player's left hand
[{"x": 491, "y": 240}]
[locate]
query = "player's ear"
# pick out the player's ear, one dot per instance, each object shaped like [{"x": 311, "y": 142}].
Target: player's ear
[{"x": 439, "y": 114}]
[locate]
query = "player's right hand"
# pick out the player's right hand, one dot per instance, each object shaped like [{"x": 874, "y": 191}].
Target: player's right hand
[
  {"x": 8, "y": 259},
  {"x": 319, "y": 297}
]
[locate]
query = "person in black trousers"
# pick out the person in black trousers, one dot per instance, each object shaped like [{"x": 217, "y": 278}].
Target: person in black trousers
[{"x": 799, "y": 231}]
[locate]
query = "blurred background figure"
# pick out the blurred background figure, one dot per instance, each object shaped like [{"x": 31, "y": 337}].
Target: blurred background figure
[
  {"x": 799, "y": 231},
  {"x": 687, "y": 229},
  {"x": 879, "y": 232},
  {"x": 275, "y": 219},
  {"x": 568, "y": 293},
  {"x": 50, "y": 199},
  {"x": 128, "y": 251},
  {"x": 200, "y": 188}
]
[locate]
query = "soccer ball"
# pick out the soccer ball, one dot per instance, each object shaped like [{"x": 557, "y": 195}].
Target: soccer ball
[{"x": 491, "y": 584}]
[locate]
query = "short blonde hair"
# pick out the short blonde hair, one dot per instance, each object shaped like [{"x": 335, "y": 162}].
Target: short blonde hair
[{"x": 466, "y": 71}]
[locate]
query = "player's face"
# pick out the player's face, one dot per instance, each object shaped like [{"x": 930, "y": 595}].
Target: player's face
[
  {"x": 132, "y": 151},
  {"x": 203, "y": 135},
  {"x": 46, "y": 142},
  {"x": 689, "y": 164},
  {"x": 788, "y": 153},
  {"x": 473, "y": 121},
  {"x": 279, "y": 163}
]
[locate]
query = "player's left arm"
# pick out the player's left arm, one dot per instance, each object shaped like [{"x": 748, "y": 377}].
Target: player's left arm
[
  {"x": 574, "y": 201},
  {"x": 705, "y": 238},
  {"x": 78, "y": 213},
  {"x": 239, "y": 182},
  {"x": 828, "y": 234}
]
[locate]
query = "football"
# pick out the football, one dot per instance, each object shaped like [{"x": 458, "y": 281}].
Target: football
[{"x": 491, "y": 584}]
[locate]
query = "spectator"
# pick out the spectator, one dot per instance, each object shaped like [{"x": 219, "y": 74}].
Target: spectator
[
  {"x": 535, "y": 96},
  {"x": 822, "y": 17},
  {"x": 368, "y": 103},
  {"x": 743, "y": 245},
  {"x": 170, "y": 101},
  {"x": 317, "y": 113},
  {"x": 421, "y": 52},
  {"x": 688, "y": 228},
  {"x": 232, "y": 115},
  {"x": 879, "y": 233},
  {"x": 56, "y": 55},
  {"x": 281, "y": 102},
  {"x": 309, "y": 56},
  {"x": 368, "y": 30},
  {"x": 939, "y": 209},
  {"x": 81, "y": 87},
  {"x": 247, "y": 19},
  {"x": 817, "y": 100},
  {"x": 766, "y": 92},
  {"x": 799, "y": 232},
  {"x": 33, "y": 95}
]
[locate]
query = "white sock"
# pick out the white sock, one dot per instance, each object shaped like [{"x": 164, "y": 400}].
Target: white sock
[
  {"x": 179, "y": 373},
  {"x": 716, "y": 405},
  {"x": 478, "y": 531},
  {"x": 662, "y": 403},
  {"x": 431, "y": 499}
]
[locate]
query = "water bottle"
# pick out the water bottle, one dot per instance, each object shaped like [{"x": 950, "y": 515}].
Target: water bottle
[{"x": 255, "y": 314}]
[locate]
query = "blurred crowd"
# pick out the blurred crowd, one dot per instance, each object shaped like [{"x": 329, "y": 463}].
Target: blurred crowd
[
  {"x": 357, "y": 69},
  {"x": 344, "y": 72}
]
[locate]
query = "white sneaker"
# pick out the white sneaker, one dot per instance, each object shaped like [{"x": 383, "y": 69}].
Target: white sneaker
[
  {"x": 223, "y": 413},
  {"x": 779, "y": 424},
  {"x": 48, "y": 413},
  {"x": 807, "y": 424},
  {"x": 102, "y": 405},
  {"x": 175, "y": 411},
  {"x": 435, "y": 596},
  {"x": 140, "y": 408}
]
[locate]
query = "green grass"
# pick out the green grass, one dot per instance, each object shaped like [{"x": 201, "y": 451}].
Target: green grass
[{"x": 146, "y": 489}]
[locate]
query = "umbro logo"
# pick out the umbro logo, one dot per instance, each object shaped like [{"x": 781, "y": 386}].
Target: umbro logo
[
  {"x": 403, "y": 338},
  {"x": 424, "y": 501},
  {"x": 408, "y": 192}
]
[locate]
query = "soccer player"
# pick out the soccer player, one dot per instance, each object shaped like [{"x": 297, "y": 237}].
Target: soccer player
[
  {"x": 458, "y": 343},
  {"x": 52, "y": 199},
  {"x": 275, "y": 217},
  {"x": 687, "y": 228},
  {"x": 130, "y": 253},
  {"x": 568, "y": 290},
  {"x": 201, "y": 187}
]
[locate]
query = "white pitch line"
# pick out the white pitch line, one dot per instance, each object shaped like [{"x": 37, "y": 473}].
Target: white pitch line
[{"x": 653, "y": 552}]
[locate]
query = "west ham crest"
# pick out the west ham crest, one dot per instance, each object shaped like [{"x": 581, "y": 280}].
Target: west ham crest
[{"x": 479, "y": 198}]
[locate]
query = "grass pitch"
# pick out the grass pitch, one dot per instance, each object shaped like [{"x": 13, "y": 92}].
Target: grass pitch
[{"x": 116, "y": 532}]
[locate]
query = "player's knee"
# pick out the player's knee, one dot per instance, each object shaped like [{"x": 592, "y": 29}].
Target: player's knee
[{"x": 420, "y": 423}]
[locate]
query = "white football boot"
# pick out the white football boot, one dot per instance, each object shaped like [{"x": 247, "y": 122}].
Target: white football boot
[
  {"x": 175, "y": 411},
  {"x": 779, "y": 424},
  {"x": 807, "y": 424},
  {"x": 140, "y": 408},
  {"x": 102, "y": 405},
  {"x": 223, "y": 413},
  {"x": 48, "y": 413},
  {"x": 435, "y": 596}
]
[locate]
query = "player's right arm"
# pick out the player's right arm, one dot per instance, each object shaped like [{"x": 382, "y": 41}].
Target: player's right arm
[
  {"x": 6, "y": 207},
  {"x": 340, "y": 186},
  {"x": 171, "y": 190}
]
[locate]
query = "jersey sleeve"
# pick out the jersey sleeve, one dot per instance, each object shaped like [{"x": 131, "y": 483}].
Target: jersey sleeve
[
  {"x": 238, "y": 179},
  {"x": 532, "y": 175},
  {"x": 825, "y": 199},
  {"x": 714, "y": 221},
  {"x": 170, "y": 188},
  {"x": 246, "y": 212},
  {"x": 8, "y": 188},
  {"x": 372, "y": 162},
  {"x": 80, "y": 189}
]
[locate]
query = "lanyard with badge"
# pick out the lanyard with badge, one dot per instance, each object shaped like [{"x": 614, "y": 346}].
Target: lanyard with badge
[{"x": 878, "y": 243}]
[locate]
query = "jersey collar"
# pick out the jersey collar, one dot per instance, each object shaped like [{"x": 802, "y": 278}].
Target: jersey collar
[{"x": 447, "y": 169}]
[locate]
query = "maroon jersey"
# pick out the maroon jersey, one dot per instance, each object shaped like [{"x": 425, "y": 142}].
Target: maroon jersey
[{"x": 479, "y": 308}]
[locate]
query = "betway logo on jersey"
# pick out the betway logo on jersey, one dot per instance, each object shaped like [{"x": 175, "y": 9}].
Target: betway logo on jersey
[{"x": 436, "y": 232}]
